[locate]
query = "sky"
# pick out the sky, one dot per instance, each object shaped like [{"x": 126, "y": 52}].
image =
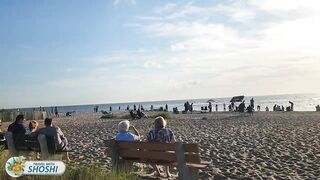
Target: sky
[{"x": 108, "y": 51}]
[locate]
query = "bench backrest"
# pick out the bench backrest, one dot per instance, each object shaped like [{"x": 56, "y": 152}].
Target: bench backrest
[
  {"x": 25, "y": 142},
  {"x": 158, "y": 151}
]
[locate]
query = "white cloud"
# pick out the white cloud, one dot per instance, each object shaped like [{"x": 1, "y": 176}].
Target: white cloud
[
  {"x": 269, "y": 38},
  {"x": 116, "y": 2}
]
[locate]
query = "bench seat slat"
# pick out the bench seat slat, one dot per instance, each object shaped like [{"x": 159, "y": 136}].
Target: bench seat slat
[
  {"x": 148, "y": 155},
  {"x": 147, "y": 146},
  {"x": 192, "y": 158},
  {"x": 157, "y": 146}
]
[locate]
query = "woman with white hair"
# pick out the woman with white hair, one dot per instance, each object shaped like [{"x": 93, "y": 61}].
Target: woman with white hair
[{"x": 124, "y": 134}]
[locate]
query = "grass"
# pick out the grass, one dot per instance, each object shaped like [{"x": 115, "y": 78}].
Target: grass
[
  {"x": 5, "y": 115},
  {"x": 94, "y": 172}
]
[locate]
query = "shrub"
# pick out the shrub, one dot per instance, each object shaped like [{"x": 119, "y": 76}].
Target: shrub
[
  {"x": 72, "y": 172},
  {"x": 109, "y": 116},
  {"x": 165, "y": 115}
]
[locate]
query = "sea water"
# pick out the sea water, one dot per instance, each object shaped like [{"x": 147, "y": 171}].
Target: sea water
[{"x": 302, "y": 102}]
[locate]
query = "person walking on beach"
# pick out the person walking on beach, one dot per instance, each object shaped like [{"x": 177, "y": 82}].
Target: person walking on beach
[
  {"x": 60, "y": 140},
  {"x": 161, "y": 134}
]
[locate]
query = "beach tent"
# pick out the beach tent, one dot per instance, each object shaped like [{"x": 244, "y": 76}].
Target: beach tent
[{"x": 237, "y": 99}]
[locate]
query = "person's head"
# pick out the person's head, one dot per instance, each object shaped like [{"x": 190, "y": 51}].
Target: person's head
[
  {"x": 159, "y": 122},
  {"x": 33, "y": 125},
  {"x": 48, "y": 122},
  {"x": 123, "y": 126},
  {"x": 19, "y": 118}
]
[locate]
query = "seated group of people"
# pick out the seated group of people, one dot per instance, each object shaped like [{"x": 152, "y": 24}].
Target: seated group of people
[
  {"x": 61, "y": 141},
  {"x": 138, "y": 115},
  {"x": 159, "y": 134}
]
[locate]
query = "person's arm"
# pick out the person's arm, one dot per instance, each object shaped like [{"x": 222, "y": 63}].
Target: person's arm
[
  {"x": 173, "y": 138},
  {"x": 136, "y": 132},
  {"x": 60, "y": 133}
]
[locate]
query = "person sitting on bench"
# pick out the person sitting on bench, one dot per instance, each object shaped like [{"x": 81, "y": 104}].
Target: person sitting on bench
[
  {"x": 17, "y": 126},
  {"x": 60, "y": 140},
  {"x": 124, "y": 134},
  {"x": 163, "y": 135},
  {"x": 33, "y": 127}
]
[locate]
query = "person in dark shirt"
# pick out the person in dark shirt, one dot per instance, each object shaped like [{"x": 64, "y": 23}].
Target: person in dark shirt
[
  {"x": 60, "y": 140},
  {"x": 17, "y": 126}
]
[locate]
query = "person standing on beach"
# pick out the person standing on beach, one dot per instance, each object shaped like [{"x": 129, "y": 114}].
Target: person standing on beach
[
  {"x": 224, "y": 107},
  {"x": 210, "y": 106},
  {"x": 151, "y": 107},
  {"x": 166, "y": 107},
  {"x": 134, "y": 107},
  {"x": 56, "y": 111},
  {"x": 110, "y": 108},
  {"x": 291, "y": 105},
  {"x": 161, "y": 134},
  {"x": 217, "y": 107},
  {"x": 252, "y": 103}
]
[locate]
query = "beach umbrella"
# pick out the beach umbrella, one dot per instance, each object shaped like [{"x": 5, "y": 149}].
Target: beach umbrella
[
  {"x": 211, "y": 100},
  {"x": 237, "y": 99}
]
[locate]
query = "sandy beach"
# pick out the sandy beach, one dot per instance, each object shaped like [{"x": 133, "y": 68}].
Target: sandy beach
[{"x": 273, "y": 145}]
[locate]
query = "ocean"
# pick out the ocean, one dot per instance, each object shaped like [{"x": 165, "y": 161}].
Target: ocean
[{"x": 302, "y": 102}]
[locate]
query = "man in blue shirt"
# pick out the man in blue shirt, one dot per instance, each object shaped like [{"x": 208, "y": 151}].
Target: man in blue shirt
[{"x": 124, "y": 134}]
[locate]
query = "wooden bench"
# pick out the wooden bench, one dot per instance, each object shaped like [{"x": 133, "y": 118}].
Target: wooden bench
[
  {"x": 184, "y": 156},
  {"x": 41, "y": 143}
]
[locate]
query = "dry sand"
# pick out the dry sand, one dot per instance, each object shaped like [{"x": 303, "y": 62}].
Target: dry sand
[{"x": 265, "y": 145}]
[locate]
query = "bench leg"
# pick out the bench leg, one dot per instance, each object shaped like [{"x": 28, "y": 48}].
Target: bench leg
[
  {"x": 43, "y": 146},
  {"x": 11, "y": 147},
  {"x": 193, "y": 173}
]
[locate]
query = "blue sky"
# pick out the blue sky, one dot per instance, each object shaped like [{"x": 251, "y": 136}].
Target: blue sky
[{"x": 79, "y": 52}]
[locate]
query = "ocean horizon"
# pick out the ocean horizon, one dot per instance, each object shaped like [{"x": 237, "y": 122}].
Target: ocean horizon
[{"x": 302, "y": 102}]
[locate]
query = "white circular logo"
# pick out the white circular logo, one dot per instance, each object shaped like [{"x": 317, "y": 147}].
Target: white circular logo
[{"x": 15, "y": 166}]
